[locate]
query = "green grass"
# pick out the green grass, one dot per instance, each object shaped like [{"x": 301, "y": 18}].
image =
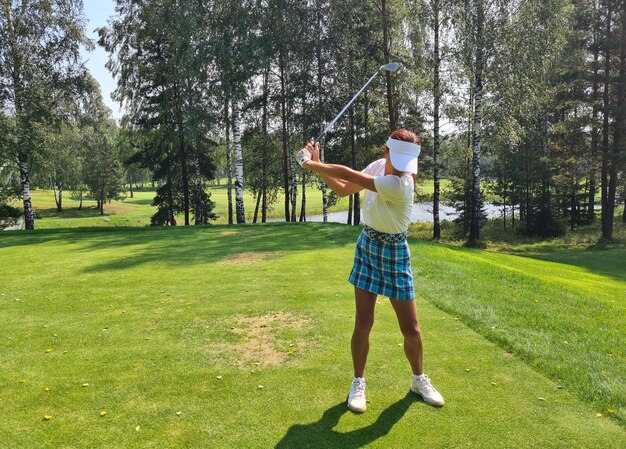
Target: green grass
[
  {"x": 149, "y": 318},
  {"x": 137, "y": 211}
]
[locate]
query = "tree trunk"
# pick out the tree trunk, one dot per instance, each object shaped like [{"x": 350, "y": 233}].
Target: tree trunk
[
  {"x": 320, "y": 75},
  {"x": 436, "y": 140},
  {"x": 80, "y": 205},
  {"x": 185, "y": 177},
  {"x": 130, "y": 184},
  {"x": 513, "y": 215},
  {"x": 29, "y": 213},
  {"x": 264, "y": 204},
  {"x": 241, "y": 212},
  {"x": 474, "y": 235},
  {"x": 591, "y": 199},
  {"x": 283, "y": 116},
  {"x": 572, "y": 218},
  {"x": 101, "y": 200},
  {"x": 229, "y": 169},
  {"x": 357, "y": 209},
  {"x": 199, "y": 212},
  {"x": 352, "y": 120},
  {"x": 56, "y": 196},
  {"x": 170, "y": 187},
  {"x": 303, "y": 203},
  {"x": 387, "y": 55},
  {"x": 182, "y": 152},
  {"x": 324, "y": 191},
  {"x": 266, "y": 94},
  {"x": 620, "y": 123},
  {"x": 294, "y": 186},
  {"x": 607, "y": 219},
  {"x": 350, "y": 200},
  {"x": 256, "y": 208},
  {"x": 467, "y": 162},
  {"x": 23, "y": 161}
]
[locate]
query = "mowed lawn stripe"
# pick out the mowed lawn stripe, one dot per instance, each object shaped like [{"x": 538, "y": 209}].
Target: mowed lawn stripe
[
  {"x": 154, "y": 321},
  {"x": 575, "y": 335}
]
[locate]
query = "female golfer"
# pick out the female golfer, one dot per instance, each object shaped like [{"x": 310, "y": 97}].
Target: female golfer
[{"x": 382, "y": 264}]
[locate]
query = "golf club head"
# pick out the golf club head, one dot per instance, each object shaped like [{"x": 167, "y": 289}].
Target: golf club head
[{"x": 391, "y": 67}]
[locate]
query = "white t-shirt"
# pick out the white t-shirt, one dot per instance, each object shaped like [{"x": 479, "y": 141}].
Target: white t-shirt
[{"x": 389, "y": 208}]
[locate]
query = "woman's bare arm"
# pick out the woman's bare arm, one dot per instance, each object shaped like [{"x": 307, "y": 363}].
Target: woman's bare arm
[
  {"x": 339, "y": 185},
  {"x": 346, "y": 180}
]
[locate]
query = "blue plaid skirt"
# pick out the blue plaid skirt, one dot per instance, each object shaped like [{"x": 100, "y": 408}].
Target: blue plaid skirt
[{"x": 382, "y": 265}]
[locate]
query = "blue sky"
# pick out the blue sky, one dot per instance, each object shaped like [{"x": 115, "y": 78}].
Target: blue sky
[{"x": 97, "y": 13}]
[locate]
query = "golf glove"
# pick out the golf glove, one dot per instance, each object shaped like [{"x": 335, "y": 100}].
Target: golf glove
[{"x": 303, "y": 156}]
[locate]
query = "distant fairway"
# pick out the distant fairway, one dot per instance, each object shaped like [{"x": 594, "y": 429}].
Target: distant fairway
[
  {"x": 238, "y": 336},
  {"x": 137, "y": 211}
]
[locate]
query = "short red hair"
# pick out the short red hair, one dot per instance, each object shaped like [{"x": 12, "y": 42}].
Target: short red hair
[{"x": 406, "y": 136}]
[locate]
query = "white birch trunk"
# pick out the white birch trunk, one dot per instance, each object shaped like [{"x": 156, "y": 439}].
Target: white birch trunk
[
  {"x": 474, "y": 235},
  {"x": 29, "y": 214},
  {"x": 240, "y": 210},
  {"x": 324, "y": 194},
  {"x": 198, "y": 216},
  {"x": 436, "y": 140},
  {"x": 229, "y": 169},
  {"x": 294, "y": 187}
]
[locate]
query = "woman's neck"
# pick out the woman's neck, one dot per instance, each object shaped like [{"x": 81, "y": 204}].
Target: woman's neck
[{"x": 389, "y": 170}]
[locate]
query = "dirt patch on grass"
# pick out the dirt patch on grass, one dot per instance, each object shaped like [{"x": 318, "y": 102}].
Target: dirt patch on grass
[
  {"x": 267, "y": 340},
  {"x": 261, "y": 346},
  {"x": 250, "y": 258},
  {"x": 237, "y": 233}
]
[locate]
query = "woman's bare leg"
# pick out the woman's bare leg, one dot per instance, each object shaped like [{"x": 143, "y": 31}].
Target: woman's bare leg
[
  {"x": 363, "y": 322},
  {"x": 406, "y": 312}
]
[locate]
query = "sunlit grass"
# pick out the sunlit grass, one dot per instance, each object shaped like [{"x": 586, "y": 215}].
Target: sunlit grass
[
  {"x": 137, "y": 211},
  {"x": 144, "y": 325}
]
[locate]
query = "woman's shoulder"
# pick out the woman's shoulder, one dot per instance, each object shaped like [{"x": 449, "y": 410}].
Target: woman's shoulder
[{"x": 375, "y": 168}]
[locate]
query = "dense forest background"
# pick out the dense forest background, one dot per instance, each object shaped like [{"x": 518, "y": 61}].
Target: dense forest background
[{"x": 521, "y": 101}]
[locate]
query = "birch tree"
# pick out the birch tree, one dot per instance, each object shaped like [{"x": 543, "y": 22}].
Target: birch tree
[
  {"x": 435, "y": 14},
  {"x": 63, "y": 163},
  {"x": 41, "y": 65},
  {"x": 241, "y": 213},
  {"x": 479, "y": 63}
]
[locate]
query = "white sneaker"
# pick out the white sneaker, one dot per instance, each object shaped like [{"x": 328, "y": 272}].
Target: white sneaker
[
  {"x": 356, "y": 397},
  {"x": 421, "y": 385}
]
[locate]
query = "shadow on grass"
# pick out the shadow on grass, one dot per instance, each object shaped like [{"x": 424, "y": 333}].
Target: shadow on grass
[
  {"x": 70, "y": 212},
  {"x": 579, "y": 248},
  {"x": 140, "y": 201},
  {"x": 186, "y": 245},
  {"x": 321, "y": 433},
  {"x": 609, "y": 261}
]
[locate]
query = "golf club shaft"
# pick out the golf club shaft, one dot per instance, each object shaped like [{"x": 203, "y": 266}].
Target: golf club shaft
[{"x": 331, "y": 124}]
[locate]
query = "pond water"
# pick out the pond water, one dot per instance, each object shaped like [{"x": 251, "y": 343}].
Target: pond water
[{"x": 422, "y": 212}]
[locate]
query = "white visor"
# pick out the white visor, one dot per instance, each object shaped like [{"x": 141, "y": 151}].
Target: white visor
[{"x": 403, "y": 155}]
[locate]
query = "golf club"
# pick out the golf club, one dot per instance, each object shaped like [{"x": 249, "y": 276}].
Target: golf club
[{"x": 391, "y": 67}]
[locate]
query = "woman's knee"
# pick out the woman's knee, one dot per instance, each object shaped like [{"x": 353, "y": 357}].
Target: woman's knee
[
  {"x": 412, "y": 332},
  {"x": 363, "y": 324}
]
